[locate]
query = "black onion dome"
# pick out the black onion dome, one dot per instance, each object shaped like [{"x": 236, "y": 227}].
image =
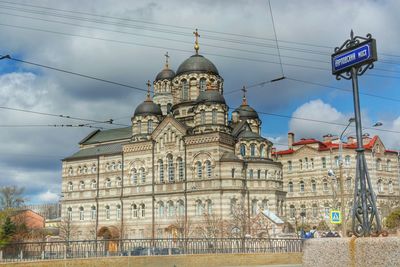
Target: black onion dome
[
  {"x": 165, "y": 74},
  {"x": 148, "y": 107},
  {"x": 246, "y": 112},
  {"x": 211, "y": 96},
  {"x": 197, "y": 63}
]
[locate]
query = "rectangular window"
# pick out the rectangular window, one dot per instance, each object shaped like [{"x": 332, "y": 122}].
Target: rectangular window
[
  {"x": 323, "y": 163},
  {"x": 233, "y": 173},
  {"x": 290, "y": 167},
  {"x": 251, "y": 173}
]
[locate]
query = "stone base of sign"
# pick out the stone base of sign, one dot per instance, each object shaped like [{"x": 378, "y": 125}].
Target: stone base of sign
[{"x": 357, "y": 252}]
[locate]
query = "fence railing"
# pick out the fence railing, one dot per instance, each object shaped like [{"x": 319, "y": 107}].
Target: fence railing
[{"x": 136, "y": 247}]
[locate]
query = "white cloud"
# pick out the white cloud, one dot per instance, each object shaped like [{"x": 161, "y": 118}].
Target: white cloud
[
  {"x": 47, "y": 197},
  {"x": 319, "y": 111}
]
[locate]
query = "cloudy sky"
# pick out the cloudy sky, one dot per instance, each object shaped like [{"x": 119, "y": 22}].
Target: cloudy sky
[{"x": 124, "y": 42}]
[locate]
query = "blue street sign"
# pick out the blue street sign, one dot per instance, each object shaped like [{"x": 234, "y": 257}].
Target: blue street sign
[
  {"x": 336, "y": 216},
  {"x": 364, "y": 53}
]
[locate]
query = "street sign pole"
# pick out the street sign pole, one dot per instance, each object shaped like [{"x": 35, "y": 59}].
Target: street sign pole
[{"x": 351, "y": 60}]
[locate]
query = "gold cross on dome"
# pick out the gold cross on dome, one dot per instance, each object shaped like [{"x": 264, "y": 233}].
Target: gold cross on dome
[
  {"x": 166, "y": 59},
  {"x": 196, "y": 43},
  {"x": 148, "y": 89},
  {"x": 244, "y": 102}
]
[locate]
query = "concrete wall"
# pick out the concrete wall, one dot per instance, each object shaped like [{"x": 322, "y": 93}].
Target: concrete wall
[
  {"x": 352, "y": 252},
  {"x": 173, "y": 261}
]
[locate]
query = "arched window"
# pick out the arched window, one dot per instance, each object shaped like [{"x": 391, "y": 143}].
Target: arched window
[
  {"x": 199, "y": 208},
  {"x": 390, "y": 185},
  {"x": 202, "y": 117},
  {"x": 169, "y": 108},
  {"x": 233, "y": 172},
  {"x": 199, "y": 169},
  {"x": 81, "y": 214},
  {"x": 170, "y": 164},
  {"x": 378, "y": 164},
  {"x": 119, "y": 165},
  {"x": 254, "y": 207},
  {"x": 161, "y": 209},
  {"x": 233, "y": 205},
  {"x": 108, "y": 215},
  {"x": 251, "y": 174},
  {"x": 185, "y": 90},
  {"x": 323, "y": 162},
  {"x": 348, "y": 183},
  {"x": 134, "y": 176},
  {"x": 326, "y": 210},
  {"x": 119, "y": 181},
  {"x": 142, "y": 210},
  {"x": 266, "y": 174},
  {"x": 94, "y": 168},
  {"x": 325, "y": 185},
  {"x": 203, "y": 85},
  {"x": 303, "y": 210},
  {"x": 149, "y": 126},
  {"x": 314, "y": 210},
  {"x": 214, "y": 116},
  {"x": 380, "y": 186},
  {"x": 243, "y": 150},
  {"x": 262, "y": 151},
  {"x": 181, "y": 208},
  {"x": 180, "y": 169},
  {"x": 208, "y": 169},
  {"x": 69, "y": 214},
  {"x": 347, "y": 160},
  {"x": 292, "y": 211},
  {"x": 70, "y": 171},
  {"x": 70, "y": 186},
  {"x": 142, "y": 173},
  {"x": 388, "y": 166},
  {"x": 337, "y": 161},
  {"x": 93, "y": 213},
  {"x": 171, "y": 209},
  {"x": 258, "y": 174},
  {"x": 81, "y": 185},
  {"x": 301, "y": 187},
  {"x": 161, "y": 170},
  {"x": 209, "y": 206},
  {"x": 139, "y": 127},
  {"x": 108, "y": 183},
  {"x": 252, "y": 150},
  {"x": 113, "y": 166},
  {"x": 134, "y": 209},
  {"x": 290, "y": 187},
  {"x": 290, "y": 167},
  {"x": 118, "y": 211},
  {"x": 301, "y": 164},
  {"x": 264, "y": 204},
  {"x": 79, "y": 170},
  {"x": 313, "y": 186},
  {"x": 93, "y": 184}
]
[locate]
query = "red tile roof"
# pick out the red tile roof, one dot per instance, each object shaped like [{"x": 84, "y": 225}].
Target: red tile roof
[{"x": 323, "y": 146}]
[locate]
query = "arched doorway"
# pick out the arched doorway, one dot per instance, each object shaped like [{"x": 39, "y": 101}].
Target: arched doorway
[{"x": 110, "y": 235}]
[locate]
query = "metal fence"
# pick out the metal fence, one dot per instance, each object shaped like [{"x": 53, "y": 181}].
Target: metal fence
[{"x": 29, "y": 251}]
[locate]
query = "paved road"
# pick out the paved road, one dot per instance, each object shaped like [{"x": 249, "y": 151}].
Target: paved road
[{"x": 281, "y": 265}]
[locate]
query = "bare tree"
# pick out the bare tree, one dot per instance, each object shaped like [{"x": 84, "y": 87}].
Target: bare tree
[
  {"x": 11, "y": 197},
  {"x": 211, "y": 226},
  {"x": 183, "y": 229},
  {"x": 67, "y": 229}
]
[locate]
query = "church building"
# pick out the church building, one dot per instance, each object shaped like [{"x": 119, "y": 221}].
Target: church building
[{"x": 182, "y": 158}]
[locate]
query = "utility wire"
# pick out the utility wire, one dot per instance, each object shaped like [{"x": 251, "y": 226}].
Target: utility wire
[
  {"x": 276, "y": 38},
  {"x": 110, "y": 121},
  {"x": 173, "y": 26},
  {"x": 182, "y": 50},
  {"x": 47, "y": 125}
]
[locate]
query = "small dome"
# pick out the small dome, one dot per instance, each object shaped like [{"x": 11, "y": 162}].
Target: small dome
[
  {"x": 197, "y": 63},
  {"x": 246, "y": 112},
  {"x": 210, "y": 96},
  {"x": 148, "y": 107},
  {"x": 166, "y": 73}
]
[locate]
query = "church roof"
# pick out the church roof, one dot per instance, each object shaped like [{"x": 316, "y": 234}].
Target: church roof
[
  {"x": 166, "y": 73},
  {"x": 229, "y": 156},
  {"x": 99, "y": 136},
  {"x": 148, "y": 107},
  {"x": 211, "y": 96},
  {"x": 197, "y": 63},
  {"x": 246, "y": 112},
  {"x": 97, "y": 150}
]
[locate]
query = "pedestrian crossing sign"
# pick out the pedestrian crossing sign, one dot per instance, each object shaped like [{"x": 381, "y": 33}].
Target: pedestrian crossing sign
[{"x": 336, "y": 217}]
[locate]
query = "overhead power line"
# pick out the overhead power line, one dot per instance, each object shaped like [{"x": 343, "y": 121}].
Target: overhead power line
[
  {"x": 38, "y": 7},
  {"x": 48, "y": 125}
]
